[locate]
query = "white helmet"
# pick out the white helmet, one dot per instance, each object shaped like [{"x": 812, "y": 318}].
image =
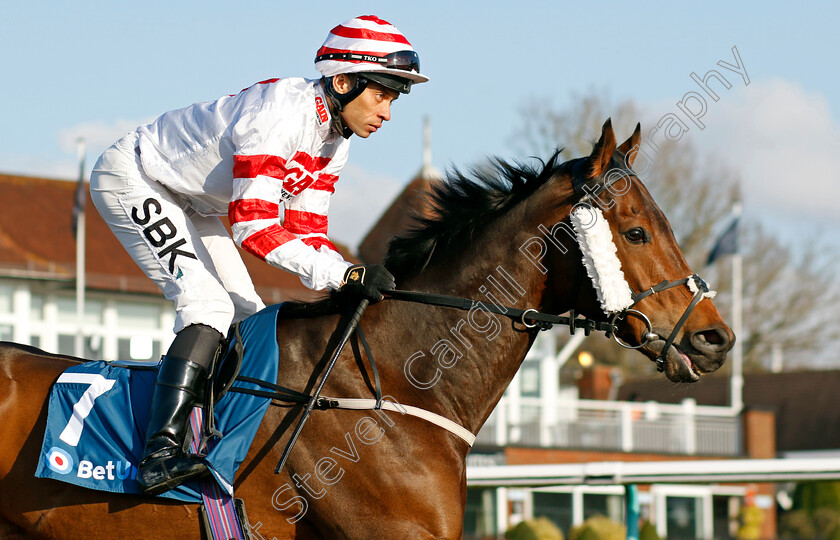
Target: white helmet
[{"x": 373, "y": 47}]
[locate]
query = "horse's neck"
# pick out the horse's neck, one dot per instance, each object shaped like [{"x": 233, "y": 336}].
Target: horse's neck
[{"x": 489, "y": 348}]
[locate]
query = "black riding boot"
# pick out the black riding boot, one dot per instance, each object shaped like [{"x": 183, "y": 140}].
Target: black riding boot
[
  {"x": 179, "y": 387},
  {"x": 165, "y": 464}
]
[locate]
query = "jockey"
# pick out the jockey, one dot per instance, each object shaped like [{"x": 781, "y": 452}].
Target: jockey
[{"x": 268, "y": 158}]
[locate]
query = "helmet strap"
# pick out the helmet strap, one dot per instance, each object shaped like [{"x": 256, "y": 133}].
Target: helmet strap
[{"x": 340, "y": 101}]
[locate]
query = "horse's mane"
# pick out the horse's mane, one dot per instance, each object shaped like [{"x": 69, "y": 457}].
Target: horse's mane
[{"x": 462, "y": 205}]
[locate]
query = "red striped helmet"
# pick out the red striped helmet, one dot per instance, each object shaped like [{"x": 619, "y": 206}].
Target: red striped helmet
[{"x": 369, "y": 45}]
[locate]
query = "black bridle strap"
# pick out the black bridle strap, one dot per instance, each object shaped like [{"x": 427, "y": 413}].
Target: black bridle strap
[
  {"x": 529, "y": 317},
  {"x": 659, "y": 287},
  {"x": 702, "y": 289},
  {"x": 694, "y": 301}
]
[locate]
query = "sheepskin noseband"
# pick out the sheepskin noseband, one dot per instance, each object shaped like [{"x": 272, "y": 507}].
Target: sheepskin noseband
[{"x": 600, "y": 260}]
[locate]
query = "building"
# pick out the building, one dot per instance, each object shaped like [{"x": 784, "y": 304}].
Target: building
[
  {"x": 542, "y": 419},
  {"x": 399, "y": 217},
  {"x": 802, "y": 402},
  {"x": 125, "y": 316}
]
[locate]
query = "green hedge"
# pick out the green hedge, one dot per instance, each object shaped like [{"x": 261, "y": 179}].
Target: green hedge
[
  {"x": 598, "y": 528},
  {"x": 648, "y": 532},
  {"x": 815, "y": 512},
  {"x": 540, "y": 528}
]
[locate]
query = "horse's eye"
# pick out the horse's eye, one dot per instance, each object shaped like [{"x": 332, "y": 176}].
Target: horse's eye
[{"x": 637, "y": 235}]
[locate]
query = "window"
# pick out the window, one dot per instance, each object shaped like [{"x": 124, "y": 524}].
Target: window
[
  {"x": 91, "y": 346},
  {"x": 529, "y": 376},
  {"x": 6, "y": 332},
  {"x": 555, "y": 506},
  {"x": 138, "y": 315},
  {"x": 36, "y": 307},
  {"x": 598, "y": 504},
  {"x": 66, "y": 344},
  {"x": 5, "y": 299},
  {"x": 139, "y": 348},
  {"x": 67, "y": 311},
  {"x": 480, "y": 514},
  {"x": 725, "y": 523},
  {"x": 683, "y": 522}
]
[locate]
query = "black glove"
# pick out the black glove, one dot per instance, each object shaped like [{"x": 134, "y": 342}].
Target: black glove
[{"x": 368, "y": 281}]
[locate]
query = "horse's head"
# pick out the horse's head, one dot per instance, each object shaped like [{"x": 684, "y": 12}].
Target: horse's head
[{"x": 643, "y": 283}]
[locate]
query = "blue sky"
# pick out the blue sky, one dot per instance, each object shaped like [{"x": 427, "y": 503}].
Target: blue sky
[{"x": 97, "y": 69}]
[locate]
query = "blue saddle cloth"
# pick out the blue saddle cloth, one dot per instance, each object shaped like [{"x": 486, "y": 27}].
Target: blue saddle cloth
[{"x": 98, "y": 413}]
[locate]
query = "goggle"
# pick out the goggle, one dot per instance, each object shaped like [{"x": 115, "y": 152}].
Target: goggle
[{"x": 404, "y": 60}]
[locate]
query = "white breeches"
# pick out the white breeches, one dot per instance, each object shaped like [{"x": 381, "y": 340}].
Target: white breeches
[{"x": 190, "y": 257}]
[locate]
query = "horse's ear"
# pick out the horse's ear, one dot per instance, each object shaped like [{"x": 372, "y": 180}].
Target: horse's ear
[
  {"x": 631, "y": 143},
  {"x": 601, "y": 155}
]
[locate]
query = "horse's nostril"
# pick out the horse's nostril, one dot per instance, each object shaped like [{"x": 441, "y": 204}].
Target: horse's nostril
[{"x": 714, "y": 339}]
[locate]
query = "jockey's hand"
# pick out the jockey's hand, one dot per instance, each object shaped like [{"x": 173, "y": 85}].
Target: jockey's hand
[{"x": 368, "y": 281}]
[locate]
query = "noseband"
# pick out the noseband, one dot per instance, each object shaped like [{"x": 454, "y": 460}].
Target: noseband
[{"x": 694, "y": 282}]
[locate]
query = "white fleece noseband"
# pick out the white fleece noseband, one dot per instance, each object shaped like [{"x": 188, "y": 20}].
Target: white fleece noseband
[{"x": 599, "y": 257}]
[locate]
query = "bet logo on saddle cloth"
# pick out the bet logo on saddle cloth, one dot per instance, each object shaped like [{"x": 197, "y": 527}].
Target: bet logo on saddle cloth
[{"x": 98, "y": 412}]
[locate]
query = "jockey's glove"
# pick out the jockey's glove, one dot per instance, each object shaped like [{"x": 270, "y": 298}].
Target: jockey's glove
[{"x": 368, "y": 281}]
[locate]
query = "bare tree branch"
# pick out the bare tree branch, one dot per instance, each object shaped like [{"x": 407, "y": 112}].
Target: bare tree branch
[{"x": 791, "y": 297}]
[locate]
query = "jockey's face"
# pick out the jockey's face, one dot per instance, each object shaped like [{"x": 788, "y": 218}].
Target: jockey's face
[{"x": 365, "y": 114}]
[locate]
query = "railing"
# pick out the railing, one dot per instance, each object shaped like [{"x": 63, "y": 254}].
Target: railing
[{"x": 615, "y": 425}]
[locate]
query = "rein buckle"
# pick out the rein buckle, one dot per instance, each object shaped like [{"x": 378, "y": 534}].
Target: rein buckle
[
  {"x": 522, "y": 318},
  {"x": 647, "y": 335}
]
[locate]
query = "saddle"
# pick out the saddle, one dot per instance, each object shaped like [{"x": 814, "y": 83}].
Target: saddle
[{"x": 98, "y": 412}]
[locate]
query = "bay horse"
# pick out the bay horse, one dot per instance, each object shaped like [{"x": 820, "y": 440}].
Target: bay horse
[{"x": 359, "y": 474}]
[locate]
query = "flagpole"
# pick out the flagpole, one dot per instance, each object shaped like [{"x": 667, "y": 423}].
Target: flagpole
[
  {"x": 737, "y": 389},
  {"x": 80, "y": 260}
]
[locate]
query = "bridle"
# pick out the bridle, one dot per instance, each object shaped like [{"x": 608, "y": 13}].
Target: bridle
[
  {"x": 700, "y": 289},
  {"x": 531, "y": 319},
  {"x": 694, "y": 282}
]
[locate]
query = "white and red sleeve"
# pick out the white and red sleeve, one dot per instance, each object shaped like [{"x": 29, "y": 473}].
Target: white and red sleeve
[{"x": 278, "y": 211}]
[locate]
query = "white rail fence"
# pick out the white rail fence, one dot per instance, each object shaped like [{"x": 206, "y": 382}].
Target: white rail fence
[{"x": 624, "y": 426}]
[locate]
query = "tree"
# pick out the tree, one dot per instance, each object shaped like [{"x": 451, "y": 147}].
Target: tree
[{"x": 791, "y": 299}]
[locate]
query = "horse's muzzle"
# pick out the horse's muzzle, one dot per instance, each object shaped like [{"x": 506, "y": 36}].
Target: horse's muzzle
[{"x": 691, "y": 356}]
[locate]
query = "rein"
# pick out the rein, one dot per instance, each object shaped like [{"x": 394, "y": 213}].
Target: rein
[
  {"x": 530, "y": 318},
  {"x": 537, "y": 319},
  {"x": 546, "y": 320}
]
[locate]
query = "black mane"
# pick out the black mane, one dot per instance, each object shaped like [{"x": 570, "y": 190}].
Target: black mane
[{"x": 462, "y": 205}]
